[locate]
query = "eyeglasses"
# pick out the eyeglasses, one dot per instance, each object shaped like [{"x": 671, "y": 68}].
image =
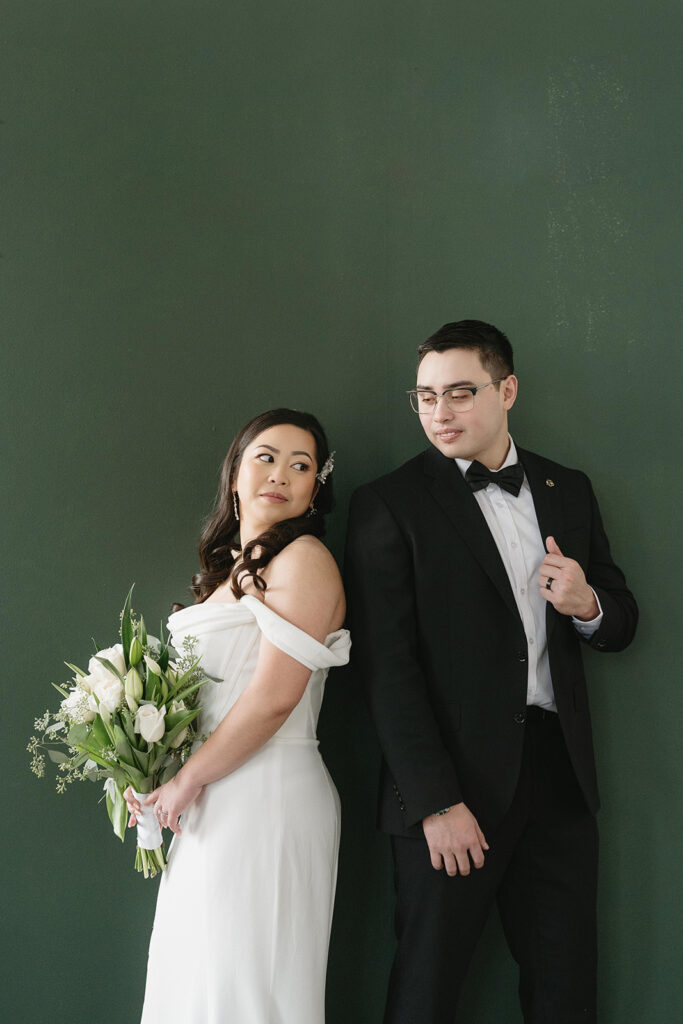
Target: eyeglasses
[{"x": 424, "y": 402}]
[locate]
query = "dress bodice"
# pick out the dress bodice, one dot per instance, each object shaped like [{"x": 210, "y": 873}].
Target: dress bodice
[{"x": 228, "y": 640}]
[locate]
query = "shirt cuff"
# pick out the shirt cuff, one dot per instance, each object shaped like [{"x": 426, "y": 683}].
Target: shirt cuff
[{"x": 586, "y": 629}]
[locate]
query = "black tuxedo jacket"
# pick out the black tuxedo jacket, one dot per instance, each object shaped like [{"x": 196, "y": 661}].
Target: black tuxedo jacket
[{"x": 439, "y": 643}]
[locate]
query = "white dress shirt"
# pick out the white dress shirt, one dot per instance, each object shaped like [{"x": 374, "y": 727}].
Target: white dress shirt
[{"x": 514, "y": 527}]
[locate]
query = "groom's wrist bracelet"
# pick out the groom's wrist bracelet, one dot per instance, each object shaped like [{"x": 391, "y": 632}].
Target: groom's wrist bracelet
[{"x": 439, "y": 814}]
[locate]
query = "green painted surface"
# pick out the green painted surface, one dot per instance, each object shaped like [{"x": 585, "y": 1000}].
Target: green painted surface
[{"x": 211, "y": 208}]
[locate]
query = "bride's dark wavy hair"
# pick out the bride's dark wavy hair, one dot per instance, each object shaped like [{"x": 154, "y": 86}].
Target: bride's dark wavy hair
[{"x": 219, "y": 550}]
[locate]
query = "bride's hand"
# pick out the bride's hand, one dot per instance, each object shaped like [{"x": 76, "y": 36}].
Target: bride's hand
[
  {"x": 171, "y": 799},
  {"x": 133, "y": 805}
]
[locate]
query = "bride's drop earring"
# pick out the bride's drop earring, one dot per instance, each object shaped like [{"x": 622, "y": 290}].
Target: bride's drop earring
[{"x": 234, "y": 505}]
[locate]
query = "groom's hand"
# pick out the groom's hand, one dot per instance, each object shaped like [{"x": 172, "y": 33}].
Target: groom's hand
[
  {"x": 568, "y": 591},
  {"x": 454, "y": 839}
]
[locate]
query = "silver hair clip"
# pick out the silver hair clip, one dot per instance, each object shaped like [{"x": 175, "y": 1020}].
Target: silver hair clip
[{"x": 327, "y": 468}]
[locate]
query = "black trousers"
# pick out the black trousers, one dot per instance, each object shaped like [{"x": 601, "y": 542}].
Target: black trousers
[{"x": 542, "y": 870}]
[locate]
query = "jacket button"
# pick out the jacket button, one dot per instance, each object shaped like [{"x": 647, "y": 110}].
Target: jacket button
[
  {"x": 601, "y": 643},
  {"x": 520, "y": 718},
  {"x": 521, "y": 655}
]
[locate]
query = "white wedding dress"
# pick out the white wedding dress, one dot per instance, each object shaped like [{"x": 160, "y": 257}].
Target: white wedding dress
[{"x": 244, "y": 910}]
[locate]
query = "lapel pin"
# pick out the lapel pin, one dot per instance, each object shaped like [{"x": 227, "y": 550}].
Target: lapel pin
[{"x": 550, "y": 483}]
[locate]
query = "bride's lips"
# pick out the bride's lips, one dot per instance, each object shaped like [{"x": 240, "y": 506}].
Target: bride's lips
[{"x": 273, "y": 496}]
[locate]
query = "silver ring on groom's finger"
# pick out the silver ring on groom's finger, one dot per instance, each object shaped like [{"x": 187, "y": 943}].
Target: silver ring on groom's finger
[{"x": 549, "y": 583}]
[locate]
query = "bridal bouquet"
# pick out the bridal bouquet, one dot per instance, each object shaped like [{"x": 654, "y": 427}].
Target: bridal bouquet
[{"x": 127, "y": 720}]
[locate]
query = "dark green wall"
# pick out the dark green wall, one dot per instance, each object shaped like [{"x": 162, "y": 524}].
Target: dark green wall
[{"x": 216, "y": 206}]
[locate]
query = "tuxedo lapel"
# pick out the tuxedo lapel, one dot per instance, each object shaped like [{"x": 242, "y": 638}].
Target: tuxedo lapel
[
  {"x": 452, "y": 493},
  {"x": 548, "y": 501}
]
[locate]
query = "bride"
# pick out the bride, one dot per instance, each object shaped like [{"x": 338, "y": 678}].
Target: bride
[{"x": 244, "y": 910}]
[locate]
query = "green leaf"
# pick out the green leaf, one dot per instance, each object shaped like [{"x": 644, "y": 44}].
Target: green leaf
[
  {"x": 127, "y": 626},
  {"x": 57, "y": 756},
  {"x": 190, "y": 689},
  {"x": 163, "y": 658},
  {"x": 182, "y": 680},
  {"x": 122, "y": 746},
  {"x": 78, "y": 735},
  {"x": 94, "y": 755},
  {"x": 118, "y": 813},
  {"x": 134, "y": 777},
  {"x": 152, "y": 686},
  {"x": 170, "y": 771},
  {"x": 75, "y": 668},
  {"x": 180, "y": 718},
  {"x": 99, "y": 733},
  {"x": 142, "y": 761},
  {"x": 129, "y": 726}
]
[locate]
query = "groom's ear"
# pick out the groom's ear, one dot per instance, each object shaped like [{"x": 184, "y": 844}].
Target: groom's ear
[{"x": 509, "y": 388}]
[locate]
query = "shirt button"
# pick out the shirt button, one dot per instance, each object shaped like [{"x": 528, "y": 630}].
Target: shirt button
[
  {"x": 514, "y": 544},
  {"x": 522, "y": 590},
  {"x": 531, "y": 640}
]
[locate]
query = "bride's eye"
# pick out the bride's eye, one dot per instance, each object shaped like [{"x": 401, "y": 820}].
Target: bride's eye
[
  {"x": 265, "y": 457},
  {"x": 301, "y": 466}
]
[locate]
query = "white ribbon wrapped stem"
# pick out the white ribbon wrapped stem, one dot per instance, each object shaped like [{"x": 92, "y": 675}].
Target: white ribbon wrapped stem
[{"x": 149, "y": 832}]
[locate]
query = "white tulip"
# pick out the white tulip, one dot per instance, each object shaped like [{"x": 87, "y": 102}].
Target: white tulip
[
  {"x": 152, "y": 665},
  {"x": 179, "y": 705},
  {"x": 149, "y": 722}
]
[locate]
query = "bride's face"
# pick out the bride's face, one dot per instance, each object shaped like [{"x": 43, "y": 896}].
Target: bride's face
[{"x": 276, "y": 477}]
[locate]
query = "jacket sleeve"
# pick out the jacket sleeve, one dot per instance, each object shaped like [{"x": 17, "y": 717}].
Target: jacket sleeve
[
  {"x": 380, "y": 584},
  {"x": 620, "y": 611}
]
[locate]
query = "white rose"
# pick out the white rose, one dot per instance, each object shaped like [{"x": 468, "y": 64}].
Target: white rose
[
  {"x": 179, "y": 705},
  {"x": 109, "y": 693},
  {"x": 77, "y": 706},
  {"x": 149, "y": 722}
]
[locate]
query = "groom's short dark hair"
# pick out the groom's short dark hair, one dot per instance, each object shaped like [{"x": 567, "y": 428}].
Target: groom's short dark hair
[{"x": 494, "y": 348}]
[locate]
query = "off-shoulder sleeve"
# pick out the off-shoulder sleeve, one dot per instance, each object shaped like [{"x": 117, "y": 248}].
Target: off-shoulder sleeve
[{"x": 295, "y": 642}]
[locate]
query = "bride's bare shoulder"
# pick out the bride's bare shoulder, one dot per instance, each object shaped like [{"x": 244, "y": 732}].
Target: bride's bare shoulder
[{"x": 304, "y": 580}]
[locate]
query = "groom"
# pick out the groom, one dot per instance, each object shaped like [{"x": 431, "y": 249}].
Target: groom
[{"x": 475, "y": 572}]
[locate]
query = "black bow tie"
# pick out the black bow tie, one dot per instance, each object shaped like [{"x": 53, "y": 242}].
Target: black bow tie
[{"x": 510, "y": 478}]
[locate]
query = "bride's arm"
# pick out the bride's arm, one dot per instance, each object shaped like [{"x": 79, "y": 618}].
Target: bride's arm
[{"x": 303, "y": 587}]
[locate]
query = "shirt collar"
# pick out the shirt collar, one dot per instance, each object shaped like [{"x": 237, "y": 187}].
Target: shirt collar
[{"x": 510, "y": 459}]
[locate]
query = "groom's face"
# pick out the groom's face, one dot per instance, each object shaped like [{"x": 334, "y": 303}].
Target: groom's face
[{"x": 481, "y": 432}]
